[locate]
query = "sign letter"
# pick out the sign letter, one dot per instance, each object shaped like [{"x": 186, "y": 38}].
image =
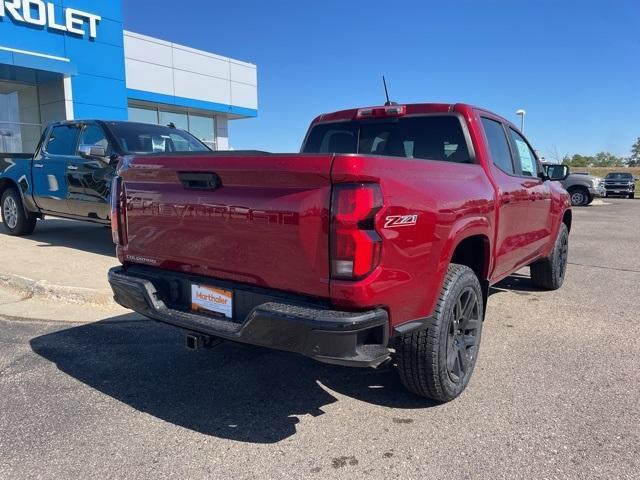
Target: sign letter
[
  {"x": 51, "y": 13},
  {"x": 93, "y": 23},
  {"x": 14, "y": 9},
  {"x": 41, "y": 18},
  {"x": 74, "y": 24}
]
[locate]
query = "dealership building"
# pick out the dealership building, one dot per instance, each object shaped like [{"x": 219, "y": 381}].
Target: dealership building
[{"x": 73, "y": 59}]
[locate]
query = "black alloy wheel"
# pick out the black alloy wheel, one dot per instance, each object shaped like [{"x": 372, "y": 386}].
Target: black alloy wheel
[{"x": 462, "y": 343}]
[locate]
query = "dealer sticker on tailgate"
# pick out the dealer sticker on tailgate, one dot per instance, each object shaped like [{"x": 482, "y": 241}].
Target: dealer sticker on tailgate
[{"x": 210, "y": 299}]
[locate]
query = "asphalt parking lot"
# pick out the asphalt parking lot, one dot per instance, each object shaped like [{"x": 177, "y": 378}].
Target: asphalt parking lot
[{"x": 555, "y": 393}]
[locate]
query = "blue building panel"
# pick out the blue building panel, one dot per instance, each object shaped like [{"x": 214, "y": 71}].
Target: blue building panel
[
  {"x": 43, "y": 63},
  {"x": 6, "y": 57},
  {"x": 109, "y": 32},
  {"x": 99, "y": 91},
  {"x": 88, "y": 111},
  {"x": 190, "y": 103},
  {"x": 99, "y": 59},
  {"x": 28, "y": 37}
]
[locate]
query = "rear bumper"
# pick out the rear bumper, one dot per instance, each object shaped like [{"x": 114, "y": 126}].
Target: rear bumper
[{"x": 356, "y": 339}]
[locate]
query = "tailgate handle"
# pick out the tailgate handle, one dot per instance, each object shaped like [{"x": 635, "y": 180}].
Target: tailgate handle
[{"x": 199, "y": 180}]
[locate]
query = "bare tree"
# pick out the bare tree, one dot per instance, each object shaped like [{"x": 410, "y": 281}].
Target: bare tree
[{"x": 554, "y": 154}]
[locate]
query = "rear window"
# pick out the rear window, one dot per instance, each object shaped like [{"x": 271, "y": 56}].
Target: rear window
[
  {"x": 438, "y": 137},
  {"x": 141, "y": 138}
]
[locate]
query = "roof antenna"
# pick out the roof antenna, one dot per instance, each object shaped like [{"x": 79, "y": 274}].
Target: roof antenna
[{"x": 386, "y": 93}]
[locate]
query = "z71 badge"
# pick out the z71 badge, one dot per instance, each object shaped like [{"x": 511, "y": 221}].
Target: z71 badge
[{"x": 394, "y": 221}]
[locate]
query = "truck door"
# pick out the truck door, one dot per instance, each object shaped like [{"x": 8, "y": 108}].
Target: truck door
[
  {"x": 89, "y": 178},
  {"x": 512, "y": 197},
  {"x": 50, "y": 189},
  {"x": 538, "y": 224}
]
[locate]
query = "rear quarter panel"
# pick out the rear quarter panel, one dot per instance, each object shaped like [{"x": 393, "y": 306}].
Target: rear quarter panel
[
  {"x": 451, "y": 201},
  {"x": 15, "y": 171}
]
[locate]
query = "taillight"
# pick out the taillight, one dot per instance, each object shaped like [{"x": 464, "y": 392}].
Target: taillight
[
  {"x": 117, "y": 222},
  {"x": 356, "y": 247}
]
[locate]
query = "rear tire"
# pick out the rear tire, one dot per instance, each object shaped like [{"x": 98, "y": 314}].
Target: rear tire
[
  {"x": 549, "y": 273},
  {"x": 632, "y": 195},
  {"x": 437, "y": 362},
  {"x": 15, "y": 220}
]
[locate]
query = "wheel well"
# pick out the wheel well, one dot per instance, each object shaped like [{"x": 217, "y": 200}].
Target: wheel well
[
  {"x": 578, "y": 187},
  {"x": 6, "y": 184},
  {"x": 567, "y": 218},
  {"x": 473, "y": 252}
]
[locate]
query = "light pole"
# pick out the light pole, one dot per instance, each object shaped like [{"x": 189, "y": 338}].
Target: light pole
[{"x": 521, "y": 113}]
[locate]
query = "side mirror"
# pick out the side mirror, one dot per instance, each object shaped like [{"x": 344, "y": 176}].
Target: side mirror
[
  {"x": 94, "y": 152},
  {"x": 557, "y": 173}
]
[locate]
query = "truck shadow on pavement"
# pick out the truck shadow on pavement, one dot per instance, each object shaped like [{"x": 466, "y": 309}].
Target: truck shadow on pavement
[
  {"x": 231, "y": 391},
  {"x": 92, "y": 238},
  {"x": 516, "y": 283}
]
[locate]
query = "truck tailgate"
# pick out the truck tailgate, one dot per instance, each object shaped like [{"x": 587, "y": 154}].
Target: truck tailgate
[{"x": 265, "y": 223}]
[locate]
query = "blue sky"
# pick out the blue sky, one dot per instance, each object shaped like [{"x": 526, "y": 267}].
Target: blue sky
[{"x": 573, "y": 65}]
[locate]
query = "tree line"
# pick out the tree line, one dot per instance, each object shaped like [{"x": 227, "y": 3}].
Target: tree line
[{"x": 605, "y": 159}]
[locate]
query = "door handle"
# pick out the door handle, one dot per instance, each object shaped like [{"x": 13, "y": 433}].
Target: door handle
[
  {"x": 38, "y": 165},
  {"x": 72, "y": 167},
  {"x": 199, "y": 180},
  {"x": 505, "y": 198}
]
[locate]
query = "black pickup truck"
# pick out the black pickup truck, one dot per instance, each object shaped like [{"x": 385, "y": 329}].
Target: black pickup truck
[
  {"x": 620, "y": 183},
  {"x": 71, "y": 171}
]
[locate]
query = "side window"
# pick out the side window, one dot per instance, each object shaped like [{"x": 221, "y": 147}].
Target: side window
[
  {"x": 63, "y": 140},
  {"x": 93, "y": 134},
  {"x": 498, "y": 145},
  {"x": 525, "y": 158}
]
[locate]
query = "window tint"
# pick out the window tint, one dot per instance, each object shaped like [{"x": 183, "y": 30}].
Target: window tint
[
  {"x": 498, "y": 145},
  {"x": 525, "y": 158},
  {"x": 438, "y": 137},
  {"x": 619, "y": 176},
  {"x": 63, "y": 140},
  {"x": 94, "y": 135},
  {"x": 146, "y": 138}
]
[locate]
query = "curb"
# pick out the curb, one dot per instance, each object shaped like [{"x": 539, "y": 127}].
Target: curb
[{"x": 42, "y": 288}]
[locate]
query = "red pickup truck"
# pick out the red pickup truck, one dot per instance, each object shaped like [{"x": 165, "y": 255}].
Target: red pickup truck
[{"x": 378, "y": 241}]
